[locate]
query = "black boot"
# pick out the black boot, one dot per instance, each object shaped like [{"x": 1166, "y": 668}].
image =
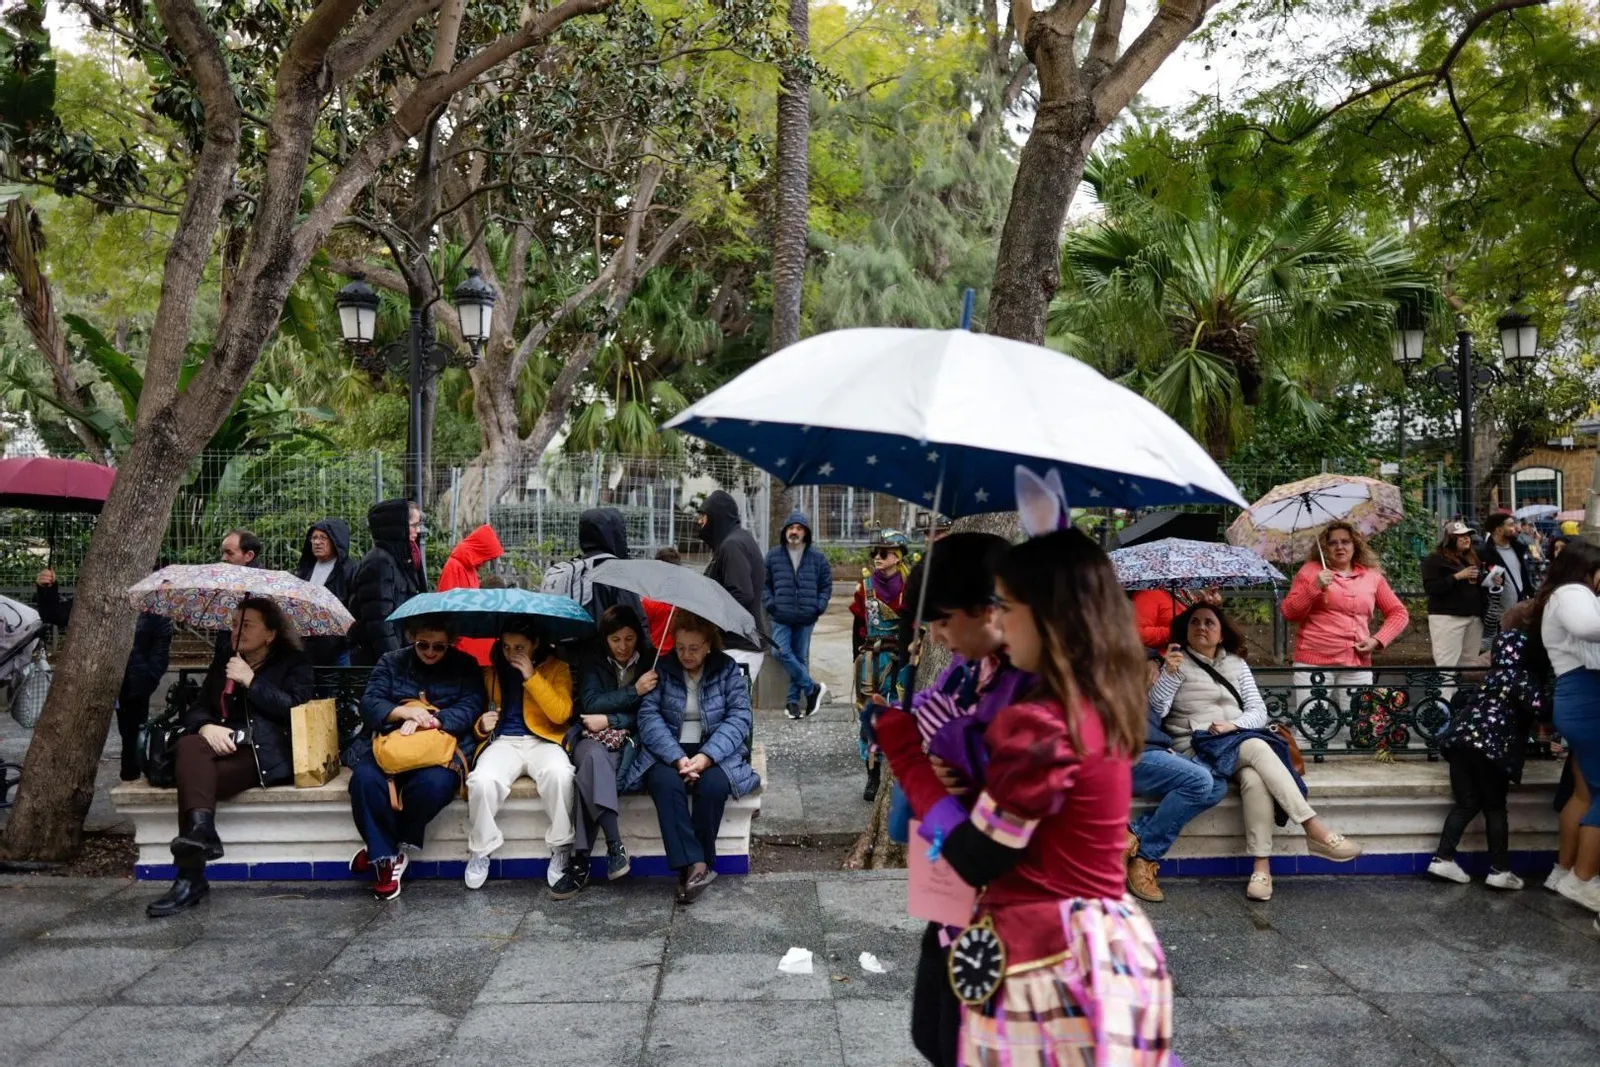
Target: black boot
[
  {"x": 199, "y": 843},
  {"x": 874, "y": 773},
  {"x": 188, "y": 889},
  {"x": 132, "y": 765}
]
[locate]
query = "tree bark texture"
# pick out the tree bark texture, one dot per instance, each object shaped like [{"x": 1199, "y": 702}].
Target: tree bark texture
[
  {"x": 1078, "y": 100},
  {"x": 792, "y": 199},
  {"x": 172, "y": 427}
]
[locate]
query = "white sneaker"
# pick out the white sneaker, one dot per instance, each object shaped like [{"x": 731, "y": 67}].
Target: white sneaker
[
  {"x": 1503, "y": 880},
  {"x": 560, "y": 860},
  {"x": 1449, "y": 870},
  {"x": 1584, "y": 893},
  {"x": 477, "y": 870},
  {"x": 1557, "y": 875}
]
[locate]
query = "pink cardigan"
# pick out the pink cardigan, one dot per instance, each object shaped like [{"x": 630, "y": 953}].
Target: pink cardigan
[{"x": 1333, "y": 620}]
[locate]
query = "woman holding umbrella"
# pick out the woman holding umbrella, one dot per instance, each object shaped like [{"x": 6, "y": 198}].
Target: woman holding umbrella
[
  {"x": 238, "y": 738},
  {"x": 1332, "y": 600}
]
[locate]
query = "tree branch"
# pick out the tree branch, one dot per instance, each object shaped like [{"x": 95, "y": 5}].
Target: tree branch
[
  {"x": 310, "y": 43},
  {"x": 382, "y": 277},
  {"x": 374, "y": 35},
  {"x": 1107, "y": 37},
  {"x": 208, "y": 186},
  {"x": 445, "y": 36},
  {"x": 1171, "y": 25},
  {"x": 1584, "y": 183}
]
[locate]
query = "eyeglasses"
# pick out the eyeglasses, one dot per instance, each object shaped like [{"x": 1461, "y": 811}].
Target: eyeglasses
[
  {"x": 693, "y": 650},
  {"x": 433, "y": 646}
]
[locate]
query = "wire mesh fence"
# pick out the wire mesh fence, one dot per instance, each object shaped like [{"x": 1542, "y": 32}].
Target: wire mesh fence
[{"x": 534, "y": 506}]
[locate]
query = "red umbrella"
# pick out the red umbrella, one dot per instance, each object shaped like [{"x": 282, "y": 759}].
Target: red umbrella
[{"x": 39, "y": 483}]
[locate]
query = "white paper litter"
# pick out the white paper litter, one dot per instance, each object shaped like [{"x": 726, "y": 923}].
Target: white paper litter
[
  {"x": 796, "y": 961},
  {"x": 871, "y": 965}
]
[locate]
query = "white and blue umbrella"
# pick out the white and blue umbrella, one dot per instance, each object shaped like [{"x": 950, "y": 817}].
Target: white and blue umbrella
[
  {"x": 1173, "y": 563},
  {"x": 487, "y": 612},
  {"x": 942, "y": 418},
  {"x": 1537, "y": 512}
]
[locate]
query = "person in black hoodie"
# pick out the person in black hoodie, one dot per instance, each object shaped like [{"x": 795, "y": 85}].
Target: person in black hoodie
[
  {"x": 237, "y": 738},
  {"x": 736, "y": 565},
  {"x": 388, "y": 576},
  {"x": 147, "y": 663},
  {"x": 325, "y": 561}
]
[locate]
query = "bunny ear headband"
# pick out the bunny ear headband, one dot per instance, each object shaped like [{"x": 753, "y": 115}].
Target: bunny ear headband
[{"x": 1041, "y": 502}]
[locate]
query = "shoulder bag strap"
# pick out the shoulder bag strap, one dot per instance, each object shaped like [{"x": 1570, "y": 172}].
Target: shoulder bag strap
[{"x": 1219, "y": 679}]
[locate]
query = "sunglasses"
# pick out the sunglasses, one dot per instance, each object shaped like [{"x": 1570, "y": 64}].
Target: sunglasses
[
  {"x": 433, "y": 646},
  {"x": 884, "y": 553}
]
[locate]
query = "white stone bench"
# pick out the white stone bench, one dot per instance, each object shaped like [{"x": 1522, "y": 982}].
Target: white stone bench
[
  {"x": 1395, "y": 810},
  {"x": 295, "y": 834}
]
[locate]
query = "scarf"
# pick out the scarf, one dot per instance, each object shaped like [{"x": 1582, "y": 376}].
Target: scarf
[{"x": 888, "y": 588}]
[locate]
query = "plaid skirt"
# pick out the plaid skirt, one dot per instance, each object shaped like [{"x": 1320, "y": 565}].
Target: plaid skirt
[{"x": 1106, "y": 1002}]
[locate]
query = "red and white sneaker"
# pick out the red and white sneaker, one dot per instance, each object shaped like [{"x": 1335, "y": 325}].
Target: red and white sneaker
[
  {"x": 386, "y": 876},
  {"x": 359, "y": 863}
]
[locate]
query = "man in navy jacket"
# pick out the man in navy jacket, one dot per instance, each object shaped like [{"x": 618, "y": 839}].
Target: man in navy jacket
[{"x": 798, "y": 588}]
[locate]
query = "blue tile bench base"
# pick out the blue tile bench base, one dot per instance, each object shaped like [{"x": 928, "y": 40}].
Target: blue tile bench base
[
  {"x": 1476, "y": 863},
  {"x": 339, "y": 871}
]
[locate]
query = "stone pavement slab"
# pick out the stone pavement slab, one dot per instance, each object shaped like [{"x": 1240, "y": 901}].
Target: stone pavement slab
[{"x": 1333, "y": 971}]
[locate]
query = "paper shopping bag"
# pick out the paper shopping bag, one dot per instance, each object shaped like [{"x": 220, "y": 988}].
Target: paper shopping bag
[{"x": 314, "y": 733}]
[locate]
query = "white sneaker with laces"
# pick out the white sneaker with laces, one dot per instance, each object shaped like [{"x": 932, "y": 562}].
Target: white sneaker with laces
[
  {"x": 1503, "y": 880},
  {"x": 477, "y": 870},
  {"x": 560, "y": 860},
  {"x": 1449, "y": 870},
  {"x": 1557, "y": 875},
  {"x": 1584, "y": 893}
]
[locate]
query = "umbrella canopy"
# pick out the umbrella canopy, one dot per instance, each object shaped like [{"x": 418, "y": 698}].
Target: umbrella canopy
[
  {"x": 944, "y": 418},
  {"x": 1178, "y": 564},
  {"x": 1284, "y": 523},
  {"x": 1538, "y": 511},
  {"x": 487, "y": 612},
  {"x": 683, "y": 588},
  {"x": 40, "y": 483},
  {"x": 1160, "y": 525},
  {"x": 207, "y": 595},
  {"x": 1575, "y": 515}
]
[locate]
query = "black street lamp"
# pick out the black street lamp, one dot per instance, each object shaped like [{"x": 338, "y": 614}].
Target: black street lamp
[
  {"x": 1469, "y": 375},
  {"x": 421, "y": 358}
]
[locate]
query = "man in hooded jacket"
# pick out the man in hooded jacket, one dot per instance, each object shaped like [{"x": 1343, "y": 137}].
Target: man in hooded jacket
[
  {"x": 736, "y": 566},
  {"x": 602, "y": 536},
  {"x": 325, "y": 561},
  {"x": 389, "y": 575},
  {"x": 460, "y": 571},
  {"x": 799, "y": 584}
]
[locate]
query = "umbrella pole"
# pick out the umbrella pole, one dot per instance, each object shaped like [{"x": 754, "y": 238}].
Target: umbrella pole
[{"x": 922, "y": 588}]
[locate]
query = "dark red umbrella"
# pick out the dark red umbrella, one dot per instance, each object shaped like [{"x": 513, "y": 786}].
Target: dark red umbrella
[{"x": 39, "y": 483}]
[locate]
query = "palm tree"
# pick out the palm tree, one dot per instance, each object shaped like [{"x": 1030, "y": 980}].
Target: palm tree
[{"x": 1211, "y": 315}]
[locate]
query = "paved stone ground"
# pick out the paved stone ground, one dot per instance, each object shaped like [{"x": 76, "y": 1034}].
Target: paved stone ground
[{"x": 1334, "y": 971}]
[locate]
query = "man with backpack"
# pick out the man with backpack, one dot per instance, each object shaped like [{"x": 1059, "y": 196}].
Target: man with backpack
[
  {"x": 602, "y": 536},
  {"x": 737, "y": 566}
]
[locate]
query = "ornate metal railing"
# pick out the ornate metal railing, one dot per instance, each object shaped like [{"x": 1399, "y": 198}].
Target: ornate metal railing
[{"x": 1403, "y": 710}]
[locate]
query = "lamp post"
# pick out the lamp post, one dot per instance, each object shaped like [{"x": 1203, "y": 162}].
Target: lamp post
[
  {"x": 1468, "y": 375},
  {"x": 422, "y": 358}
]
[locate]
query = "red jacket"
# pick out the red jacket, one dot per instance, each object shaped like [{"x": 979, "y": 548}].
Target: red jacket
[
  {"x": 1153, "y": 611},
  {"x": 461, "y": 572}
]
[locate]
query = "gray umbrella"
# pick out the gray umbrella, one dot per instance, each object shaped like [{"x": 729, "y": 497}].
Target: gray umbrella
[{"x": 684, "y": 589}]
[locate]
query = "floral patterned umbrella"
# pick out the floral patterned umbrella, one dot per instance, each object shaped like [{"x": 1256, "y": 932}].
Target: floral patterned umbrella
[
  {"x": 1173, "y": 563},
  {"x": 1283, "y": 525},
  {"x": 206, "y": 596}
]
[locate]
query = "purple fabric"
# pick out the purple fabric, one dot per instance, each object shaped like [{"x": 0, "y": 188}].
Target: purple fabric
[
  {"x": 957, "y": 739},
  {"x": 888, "y": 587},
  {"x": 942, "y": 818}
]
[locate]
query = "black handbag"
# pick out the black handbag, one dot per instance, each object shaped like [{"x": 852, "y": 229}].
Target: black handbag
[{"x": 159, "y": 741}]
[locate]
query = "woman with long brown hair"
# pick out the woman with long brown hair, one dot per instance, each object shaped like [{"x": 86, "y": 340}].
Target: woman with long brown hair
[
  {"x": 1078, "y": 975},
  {"x": 1452, "y": 579},
  {"x": 1332, "y": 599}
]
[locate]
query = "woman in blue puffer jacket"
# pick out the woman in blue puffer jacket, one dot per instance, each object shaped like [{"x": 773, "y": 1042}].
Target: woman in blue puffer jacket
[{"x": 694, "y": 733}]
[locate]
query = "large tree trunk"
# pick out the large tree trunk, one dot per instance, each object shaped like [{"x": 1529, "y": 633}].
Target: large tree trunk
[
  {"x": 63, "y": 756},
  {"x": 793, "y": 198}
]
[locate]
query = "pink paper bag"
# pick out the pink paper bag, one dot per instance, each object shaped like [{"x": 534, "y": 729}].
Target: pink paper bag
[{"x": 934, "y": 891}]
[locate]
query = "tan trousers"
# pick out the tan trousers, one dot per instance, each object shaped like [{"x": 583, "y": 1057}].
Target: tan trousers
[
  {"x": 1455, "y": 639},
  {"x": 1263, "y": 779}
]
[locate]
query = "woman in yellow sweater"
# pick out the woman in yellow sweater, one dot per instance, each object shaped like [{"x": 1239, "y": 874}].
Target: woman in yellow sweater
[{"x": 529, "y": 707}]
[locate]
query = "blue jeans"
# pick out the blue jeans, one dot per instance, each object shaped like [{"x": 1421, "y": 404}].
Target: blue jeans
[
  {"x": 1185, "y": 787},
  {"x": 424, "y": 793},
  {"x": 791, "y": 646},
  {"x": 899, "y": 816}
]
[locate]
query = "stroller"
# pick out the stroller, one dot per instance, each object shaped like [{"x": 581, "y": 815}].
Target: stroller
[{"x": 21, "y": 651}]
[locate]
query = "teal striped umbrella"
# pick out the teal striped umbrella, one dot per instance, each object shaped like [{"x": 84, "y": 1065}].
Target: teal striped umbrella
[{"x": 487, "y": 612}]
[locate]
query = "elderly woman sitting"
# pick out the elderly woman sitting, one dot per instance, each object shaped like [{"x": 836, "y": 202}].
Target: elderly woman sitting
[
  {"x": 694, "y": 729},
  {"x": 1208, "y": 703}
]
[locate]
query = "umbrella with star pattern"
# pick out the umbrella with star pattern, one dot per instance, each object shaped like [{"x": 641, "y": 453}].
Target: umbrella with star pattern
[{"x": 942, "y": 418}]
